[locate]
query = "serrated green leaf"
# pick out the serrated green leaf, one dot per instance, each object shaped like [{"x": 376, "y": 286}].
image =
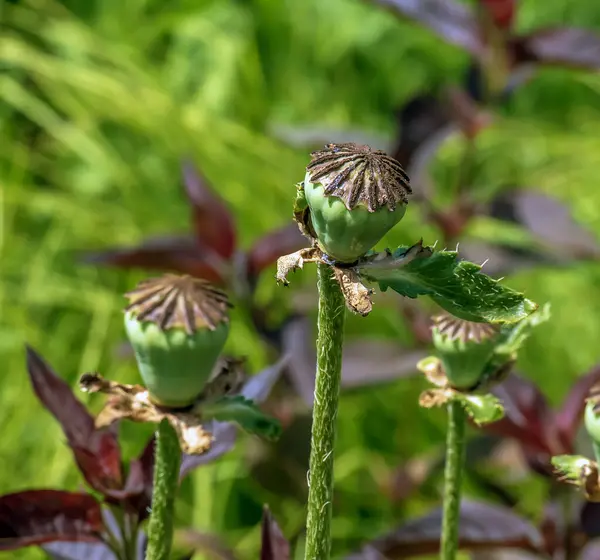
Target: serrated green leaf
[
  {"x": 243, "y": 412},
  {"x": 482, "y": 409},
  {"x": 457, "y": 286},
  {"x": 513, "y": 336}
]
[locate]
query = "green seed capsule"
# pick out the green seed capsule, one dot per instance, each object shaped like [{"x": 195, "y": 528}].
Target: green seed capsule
[
  {"x": 592, "y": 420},
  {"x": 355, "y": 196},
  {"x": 464, "y": 348},
  {"x": 177, "y": 326}
]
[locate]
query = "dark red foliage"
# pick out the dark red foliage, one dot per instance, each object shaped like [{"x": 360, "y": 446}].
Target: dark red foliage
[
  {"x": 138, "y": 487},
  {"x": 274, "y": 544},
  {"x": 169, "y": 253},
  {"x": 449, "y": 19},
  {"x": 213, "y": 223},
  {"x": 96, "y": 451},
  {"x": 211, "y": 252},
  {"x": 541, "y": 431},
  {"x": 482, "y": 527},
  {"x": 559, "y": 46},
  {"x": 35, "y": 517},
  {"x": 547, "y": 219},
  {"x": 455, "y": 23}
]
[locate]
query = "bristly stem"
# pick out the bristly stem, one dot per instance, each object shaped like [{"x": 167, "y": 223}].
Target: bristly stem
[
  {"x": 455, "y": 457},
  {"x": 166, "y": 475},
  {"x": 329, "y": 367}
]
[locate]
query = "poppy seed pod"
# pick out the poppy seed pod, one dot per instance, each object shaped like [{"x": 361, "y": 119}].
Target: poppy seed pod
[
  {"x": 464, "y": 348},
  {"x": 355, "y": 195},
  {"x": 592, "y": 415},
  {"x": 177, "y": 326}
]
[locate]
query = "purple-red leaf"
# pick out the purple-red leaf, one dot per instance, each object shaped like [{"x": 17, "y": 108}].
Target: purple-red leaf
[
  {"x": 528, "y": 417},
  {"x": 273, "y": 245},
  {"x": 568, "y": 418},
  {"x": 560, "y": 46},
  {"x": 76, "y": 551},
  {"x": 591, "y": 551},
  {"x": 213, "y": 223},
  {"x": 171, "y": 253},
  {"x": 35, "y": 517},
  {"x": 274, "y": 545},
  {"x": 452, "y": 21},
  {"x": 61, "y": 550},
  {"x": 366, "y": 362},
  {"x": 547, "y": 219},
  {"x": 501, "y": 260},
  {"x": 425, "y": 122},
  {"x": 96, "y": 451},
  {"x": 482, "y": 526},
  {"x": 138, "y": 488},
  {"x": 590, "y": 519}
]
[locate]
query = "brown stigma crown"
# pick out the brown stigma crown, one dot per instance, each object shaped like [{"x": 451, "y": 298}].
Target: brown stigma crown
[
  {"x": 357, "y": 174},
  {"x": 466, "y": 331},
  {"x": 173, "y": 301}
]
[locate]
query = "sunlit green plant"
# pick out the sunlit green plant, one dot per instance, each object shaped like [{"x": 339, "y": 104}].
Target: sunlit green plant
[{"x": 351, "y": 196}]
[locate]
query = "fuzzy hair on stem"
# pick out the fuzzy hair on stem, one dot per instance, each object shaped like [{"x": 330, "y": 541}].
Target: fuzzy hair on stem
[
  {"x": 332, "y": 310},
  {"x": 166, "y": 478}
]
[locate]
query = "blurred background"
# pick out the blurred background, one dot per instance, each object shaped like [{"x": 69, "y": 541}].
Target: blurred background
[{"x": 102, "y": 100}]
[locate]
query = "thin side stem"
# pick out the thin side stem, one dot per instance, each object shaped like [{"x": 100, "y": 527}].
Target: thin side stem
[
  {"x": 166, "y": 475},
  {"x": 329, "y": 367},
  {"x": 455, "y": 457}
]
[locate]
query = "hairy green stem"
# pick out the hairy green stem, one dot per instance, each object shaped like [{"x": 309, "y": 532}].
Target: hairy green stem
[
  {"x": 455, "y": 456},
  {"x": 329, "y": 367},
  {"x": 166, "y": 475}
]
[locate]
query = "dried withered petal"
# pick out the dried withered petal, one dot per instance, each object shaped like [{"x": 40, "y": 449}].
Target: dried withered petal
[
  {"x": 173, "y": 301},
  {"x": 431, "y": 398},
  {"x": 133, "y": 403},
  {"x": 229, "y": 377},
  {"x": 454, "y": 328},
  {"x": 293, "y": 262},
  {"x": 431, "y": 367},
  {"x": 357, "y": 296},
  {"x": 358, "y": 174}
]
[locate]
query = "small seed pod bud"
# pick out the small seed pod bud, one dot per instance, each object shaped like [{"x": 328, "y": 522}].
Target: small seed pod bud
[
  {"x": 592, "y": 415},
  {"x": 355, "y": 195},
  {"x": 177, "y": 326},
  {"x": 464, "y": 348}
]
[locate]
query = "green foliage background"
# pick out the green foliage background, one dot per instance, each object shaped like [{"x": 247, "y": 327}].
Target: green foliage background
[{"x": 98, "y": 101}]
